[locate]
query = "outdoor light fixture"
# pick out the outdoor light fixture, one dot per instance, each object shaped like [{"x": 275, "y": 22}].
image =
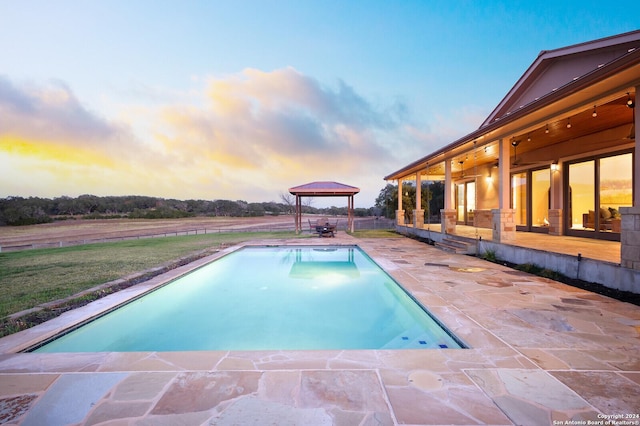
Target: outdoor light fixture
[
  {"x": 489, "y": 178},
  {"x": 594, "y": 113},
  {"x": 630, "y": 103},
  {"x": 569, "y": 123},
  {"x": 554, "y": 167}
]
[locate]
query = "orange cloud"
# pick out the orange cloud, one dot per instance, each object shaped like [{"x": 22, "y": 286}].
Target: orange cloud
[
  {"x": 53, "y": 152},
  {"x": 247, "y": 136}
]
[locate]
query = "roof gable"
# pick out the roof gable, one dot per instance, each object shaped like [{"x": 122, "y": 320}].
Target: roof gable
[{"x": 556, "y": 68}]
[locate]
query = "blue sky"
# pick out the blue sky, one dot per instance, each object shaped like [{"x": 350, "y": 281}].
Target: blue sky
[{"x": 244, "y": 99}]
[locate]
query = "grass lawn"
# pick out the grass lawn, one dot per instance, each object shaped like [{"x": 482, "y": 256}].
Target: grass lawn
[{"x": 32, "y": 277}]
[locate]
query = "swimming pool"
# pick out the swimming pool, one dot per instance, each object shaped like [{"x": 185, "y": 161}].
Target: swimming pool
[{"x": 268, "y": 298}]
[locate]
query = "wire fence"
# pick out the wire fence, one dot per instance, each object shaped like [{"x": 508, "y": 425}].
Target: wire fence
[{"x": 359, "y": 224}]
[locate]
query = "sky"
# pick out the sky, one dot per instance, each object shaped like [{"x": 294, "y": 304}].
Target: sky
[{"x": 241, "y": 100}]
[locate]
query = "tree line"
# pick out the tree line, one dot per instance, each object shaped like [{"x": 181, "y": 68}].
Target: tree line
[{"x": 33, "y": 210}]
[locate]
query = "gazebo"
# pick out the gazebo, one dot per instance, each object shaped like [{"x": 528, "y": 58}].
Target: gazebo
[{"x": 324, "y": 189}]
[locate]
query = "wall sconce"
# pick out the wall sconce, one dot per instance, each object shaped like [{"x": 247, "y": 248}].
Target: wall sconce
[
  {"x": 594, "y": 114},
  {"x": 489, "y": 178},
  {"x": 546, "y": 130},
  {"x": 555, "y": 167},
  {"x": 569, "y": 123},
  {"x": 630, "y": 103}
]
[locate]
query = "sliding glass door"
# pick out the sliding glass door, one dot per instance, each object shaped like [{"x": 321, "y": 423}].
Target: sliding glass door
[
  {"x": 597, "y": 188},
  {"x": 530, "y": 199},
  {"x": 466, "y": 202}
]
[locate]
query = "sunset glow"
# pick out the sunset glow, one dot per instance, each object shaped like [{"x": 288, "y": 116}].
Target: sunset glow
[{"x": 208, "y": 109}]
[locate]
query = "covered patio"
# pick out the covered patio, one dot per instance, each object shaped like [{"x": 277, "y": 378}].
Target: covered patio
[
  {"x": 324, "y": 189},
  {"x": 557, "y": 156}
]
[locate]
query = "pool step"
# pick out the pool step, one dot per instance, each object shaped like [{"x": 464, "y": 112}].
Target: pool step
[
  {"x": 413, "y": 339},
  {"x": 456, "y": 246}
]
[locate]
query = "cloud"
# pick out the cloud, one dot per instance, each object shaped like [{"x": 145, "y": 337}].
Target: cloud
[
  {"x": 249, "y": 135},
  {"x": 284, "y": 116},
  {"x": 50, "y": 113}
]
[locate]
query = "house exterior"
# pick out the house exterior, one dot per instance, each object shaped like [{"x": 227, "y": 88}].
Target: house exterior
[{"x": 557, "y": 155}]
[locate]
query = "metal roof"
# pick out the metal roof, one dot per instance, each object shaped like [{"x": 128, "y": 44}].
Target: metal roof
[{"x": 324, "y": 189}]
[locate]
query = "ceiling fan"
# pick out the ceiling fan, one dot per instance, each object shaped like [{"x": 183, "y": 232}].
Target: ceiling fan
[
  {"x": 461, "y": 162},
  {"x": 519, "y": 162},
  {"x": 514, "y": 144}
]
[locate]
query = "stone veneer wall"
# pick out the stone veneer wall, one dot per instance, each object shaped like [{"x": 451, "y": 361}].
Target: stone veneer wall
[
  {"x": 555, "y": 222},
  {"x": 630, "y": 238},
  {"x": 449, "y": 220},
  {"x": 418, "y": 218},
  {"x": 483, "y": 219},
  {"x": 504, "y": 226}
]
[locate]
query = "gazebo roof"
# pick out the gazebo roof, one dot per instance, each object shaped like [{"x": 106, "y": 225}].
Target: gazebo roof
[{"x": 324, "y": 189}]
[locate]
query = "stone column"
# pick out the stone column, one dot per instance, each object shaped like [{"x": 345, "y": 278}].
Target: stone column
[
  {"x": 449, "y": 220},
  {"x": 449, "y": 193},
  {"x": 504, "y": 226},
  {"x": 400, "y": 210},
  {"x": 555, "y": 222},
  {"x": 418, "y": 213},
  {"x": 418, "y": 218},
  {"x": 630, "y": 237}
]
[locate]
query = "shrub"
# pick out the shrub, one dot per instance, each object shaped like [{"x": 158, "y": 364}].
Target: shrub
[{"x": 489, "y": 255}]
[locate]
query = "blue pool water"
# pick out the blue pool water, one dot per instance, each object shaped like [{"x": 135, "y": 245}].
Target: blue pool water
[{"x": 266, "y": 298}]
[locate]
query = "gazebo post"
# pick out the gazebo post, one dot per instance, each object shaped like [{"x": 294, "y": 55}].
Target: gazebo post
[
  {"x": 297, "y": 219},
  {"x": 350, "y": 213}
]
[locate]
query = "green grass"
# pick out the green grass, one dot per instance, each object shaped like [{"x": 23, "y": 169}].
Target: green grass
[{"x": 32, "y": 277}]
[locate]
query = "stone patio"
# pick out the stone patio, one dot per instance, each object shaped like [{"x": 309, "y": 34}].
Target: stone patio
[{"x": 540, "y": 352}]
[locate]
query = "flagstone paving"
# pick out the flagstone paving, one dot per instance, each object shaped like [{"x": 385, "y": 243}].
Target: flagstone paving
[{"x": 540, "y": 352}]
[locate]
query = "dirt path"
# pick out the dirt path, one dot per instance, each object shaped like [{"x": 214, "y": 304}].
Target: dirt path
[{"x": 72, "y": 231}]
